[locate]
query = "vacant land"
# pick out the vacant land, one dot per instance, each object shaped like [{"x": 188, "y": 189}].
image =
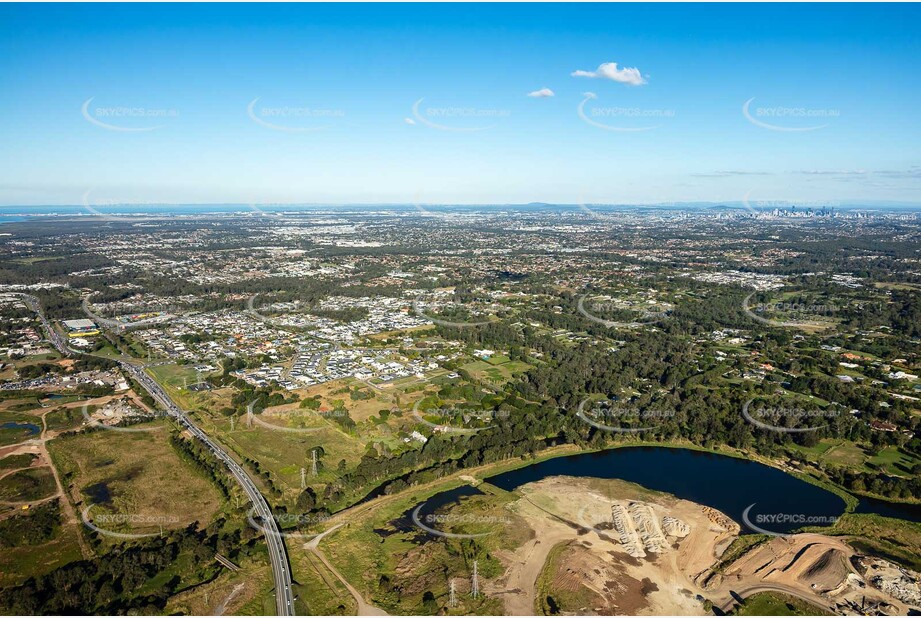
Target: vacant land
[
  {"x": 777, "y": 604},
  {"x": 137, "y": 475},
  {"x": 27, "y": 485},
  {"x": 894, "y": 539},
  {"x": 584, "y": 563},
  {"x": 28, "y": 551},
  {"x": 230, "y": 593},
  {"x": 17, "y": 427}
]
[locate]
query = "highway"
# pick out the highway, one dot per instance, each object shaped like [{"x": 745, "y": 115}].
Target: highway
[
  {"x": 59, "y": 341},
  {"x": 278, "y": 556}
]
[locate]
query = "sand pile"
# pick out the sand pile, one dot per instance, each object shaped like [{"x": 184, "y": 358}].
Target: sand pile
[
  {"x": 672, "y": 526},
  {"x": 647, "y": 525}
]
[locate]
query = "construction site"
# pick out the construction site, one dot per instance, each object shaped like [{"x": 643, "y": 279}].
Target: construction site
[
  {"x": 822, "y": 570},
  {"x": 639, "y": 530},
  {"x": 607, "y": 546}
]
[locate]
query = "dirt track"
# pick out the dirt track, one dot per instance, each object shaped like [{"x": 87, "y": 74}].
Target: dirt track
[{"x": 595, "y": 568}]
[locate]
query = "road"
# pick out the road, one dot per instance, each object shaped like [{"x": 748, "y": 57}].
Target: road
[
  {"x": 812, "y": 599},
  {"x": 284, "y": 596},
  {"x": 59, "y": 341},
  {"x": 278, "y": 556}
]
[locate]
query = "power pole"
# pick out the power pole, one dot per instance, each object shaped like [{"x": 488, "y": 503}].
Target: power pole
[
  {"x": 475, "y": 585},
  {"x": 313, "y": 469},
  {"x": 303, "y": 478},
  {"x": 452, "y": 602},
  {"x": 232, "y": 419}
]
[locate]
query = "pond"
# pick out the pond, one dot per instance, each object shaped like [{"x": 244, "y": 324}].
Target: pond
[{"x": 30, "y": 428}]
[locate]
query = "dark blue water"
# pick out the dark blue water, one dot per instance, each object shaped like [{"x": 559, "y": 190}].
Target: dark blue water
[
  {"x": 911, "y": 512},
  {"x": 99, "y": 493},
  {"x": 404, "y": 522},
  {"x": 31, "y": 428},
  {"x": 727, "y": 484}
]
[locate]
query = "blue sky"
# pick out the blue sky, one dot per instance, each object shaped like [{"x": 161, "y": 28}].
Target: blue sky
[{"x": 315, "y": 103}]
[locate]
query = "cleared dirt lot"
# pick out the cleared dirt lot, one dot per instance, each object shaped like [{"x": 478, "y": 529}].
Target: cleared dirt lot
[
  {"x": 593, "y": 567},
  {"x": 607, "y": 546}
]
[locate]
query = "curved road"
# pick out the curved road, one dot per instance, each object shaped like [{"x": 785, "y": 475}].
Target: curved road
[{"x": 284, "y": 596}]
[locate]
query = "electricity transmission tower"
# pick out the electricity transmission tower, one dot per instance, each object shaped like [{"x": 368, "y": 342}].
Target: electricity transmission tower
[{"x": 475, "y": 584}]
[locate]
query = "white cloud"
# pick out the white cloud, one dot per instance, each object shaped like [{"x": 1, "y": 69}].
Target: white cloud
[
  {"x": 542, "y": 93},
  {"x": 409, "y": 121},
  {"x": 609, "y": 70}
]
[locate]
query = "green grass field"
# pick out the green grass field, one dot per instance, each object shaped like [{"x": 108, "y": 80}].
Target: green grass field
[
  {"x": 891, "y": 460},
  {"x": 27, "y": 485},
  {"x": 894, "y": 461},
  {"x": 16, "y": 427},
  {"x": 19, "y": 563},
  {"x": 495, "y": 371},
  {"x": 66, "y": 418},
  {"x": 284, "y": 453},
  {"x": 147, "y": 482},
  {"x": 175, "y": 380},
  {"x": 893, "y": 539},
  {"x": 320, "y": 592},
  {"x": 776, "y": 604},
  {"x": 14, "y": 462},
  {"x": 414, "y": 562}
]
